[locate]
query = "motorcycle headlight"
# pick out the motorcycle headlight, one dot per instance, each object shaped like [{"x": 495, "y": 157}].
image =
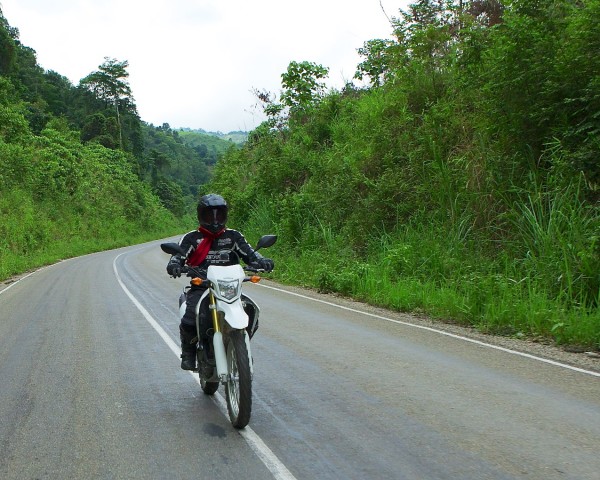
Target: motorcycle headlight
[{"x": 228, "y": 289}]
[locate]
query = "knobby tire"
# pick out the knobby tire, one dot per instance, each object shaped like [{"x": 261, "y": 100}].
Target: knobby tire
[{"x": 238, "y": 388}]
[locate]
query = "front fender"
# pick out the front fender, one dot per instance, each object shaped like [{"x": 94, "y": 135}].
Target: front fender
[{"x": 235, "y": 315}]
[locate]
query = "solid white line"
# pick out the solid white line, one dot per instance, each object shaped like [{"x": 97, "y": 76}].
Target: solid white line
[
  {"x": 441, "y": 332},
  {"x": 266, "y": 455},
  {"x": 256, "y": 443},
  {"x": 17, "y": 281}
]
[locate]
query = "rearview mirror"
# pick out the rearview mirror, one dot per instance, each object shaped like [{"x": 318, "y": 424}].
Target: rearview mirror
[
  {"x": 266, "y": 241},
  {"x": 172, "y": 248}
]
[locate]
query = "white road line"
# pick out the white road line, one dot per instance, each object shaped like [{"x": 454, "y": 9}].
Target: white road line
[
  {"x": 17, "y": 281},
  {"x": 266, "y": 455},
  {"x": 441, "y": 332}
]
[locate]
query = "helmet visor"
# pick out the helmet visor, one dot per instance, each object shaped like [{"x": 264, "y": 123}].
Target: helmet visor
[{"x": 214, "y": 216}]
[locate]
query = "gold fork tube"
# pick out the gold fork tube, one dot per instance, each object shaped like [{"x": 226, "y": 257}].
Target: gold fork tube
[{"x": 213, "y": 310}]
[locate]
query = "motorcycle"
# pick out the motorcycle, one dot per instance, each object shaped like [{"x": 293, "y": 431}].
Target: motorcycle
[{"x": 234, "y": 321}]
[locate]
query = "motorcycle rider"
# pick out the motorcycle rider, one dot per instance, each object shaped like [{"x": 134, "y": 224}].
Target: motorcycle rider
[{"x": 205, "y": 247}]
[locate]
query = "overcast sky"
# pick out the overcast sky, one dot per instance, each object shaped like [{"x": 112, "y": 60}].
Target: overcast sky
[{"x": 194, "y": 63}]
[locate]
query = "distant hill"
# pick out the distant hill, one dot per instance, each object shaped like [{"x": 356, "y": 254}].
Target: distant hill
[{"x": 194, "y": 136}]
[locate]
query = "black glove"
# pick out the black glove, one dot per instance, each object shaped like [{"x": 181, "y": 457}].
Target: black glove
[
  {"x": 266, "y": 264},
  {"x": 174, "y": 267}
]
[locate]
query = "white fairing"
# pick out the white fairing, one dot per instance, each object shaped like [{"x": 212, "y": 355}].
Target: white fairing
[{"x": 235, "y": 315}]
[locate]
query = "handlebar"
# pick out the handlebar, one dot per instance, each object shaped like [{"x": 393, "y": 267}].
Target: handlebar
[{"x": 190, "y": 271}]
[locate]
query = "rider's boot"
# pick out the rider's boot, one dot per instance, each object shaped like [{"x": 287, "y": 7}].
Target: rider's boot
[{"x": 188, "y": 349}]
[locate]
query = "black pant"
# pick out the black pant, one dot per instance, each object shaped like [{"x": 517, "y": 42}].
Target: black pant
[{"x": 188, "y": 321}]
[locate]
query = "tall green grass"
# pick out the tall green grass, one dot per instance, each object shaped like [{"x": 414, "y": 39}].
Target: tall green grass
[
  {"x": 558, "y": 239},
  {"x": 446, "y": 272}
]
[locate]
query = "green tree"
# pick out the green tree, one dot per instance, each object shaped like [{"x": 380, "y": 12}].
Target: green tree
[
  {"x": 58, "y": 92},
  {"x": 171, "y": 196},
  {"x": 100, "y": 129},
  {"x": 110, "y": 84},
  {"x": 7, "y": 45},
  {"x": 377, "y": 61},
  {"x": 158, "y": 163},
  {"x": 301, "y": 84},
  {"x": 426, "y": 30}
]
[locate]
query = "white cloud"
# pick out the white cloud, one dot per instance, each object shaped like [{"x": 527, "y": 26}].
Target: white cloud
[{"x": 193, "y": 63}]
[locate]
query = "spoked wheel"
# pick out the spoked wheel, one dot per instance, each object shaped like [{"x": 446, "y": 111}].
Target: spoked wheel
[{"x": 238, "y": 388}]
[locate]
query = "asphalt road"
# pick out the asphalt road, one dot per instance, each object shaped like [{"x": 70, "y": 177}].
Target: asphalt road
[{"x": 90, "y": 387}]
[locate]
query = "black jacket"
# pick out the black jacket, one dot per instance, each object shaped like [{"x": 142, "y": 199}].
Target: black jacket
[{"x": 229, "y": 240}]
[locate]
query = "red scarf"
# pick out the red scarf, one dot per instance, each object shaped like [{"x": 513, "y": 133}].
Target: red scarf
[{"x": 198, "y": 256}]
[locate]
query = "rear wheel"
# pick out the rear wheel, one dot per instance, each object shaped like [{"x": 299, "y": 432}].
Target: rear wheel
[{"x": 238, "y": 388}]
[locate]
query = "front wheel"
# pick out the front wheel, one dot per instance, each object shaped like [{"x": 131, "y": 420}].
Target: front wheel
[{"x": 238, "y": 387}]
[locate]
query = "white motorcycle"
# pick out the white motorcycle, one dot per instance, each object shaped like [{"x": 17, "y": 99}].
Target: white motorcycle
[{"x": 234, "y": 322}]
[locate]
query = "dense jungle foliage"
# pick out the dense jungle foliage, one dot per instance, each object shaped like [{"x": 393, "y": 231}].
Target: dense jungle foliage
[
  {"x": 462, "y": 182},
  {"x": 79, "y": 170}
]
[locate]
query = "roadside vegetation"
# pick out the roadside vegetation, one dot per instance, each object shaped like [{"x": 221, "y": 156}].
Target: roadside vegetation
[
  {"x": 79, "y": 170},
  {"x": 461, "y": 182}
]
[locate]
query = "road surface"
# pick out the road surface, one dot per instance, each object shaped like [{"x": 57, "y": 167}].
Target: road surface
[{"x": 90, "y": 387}]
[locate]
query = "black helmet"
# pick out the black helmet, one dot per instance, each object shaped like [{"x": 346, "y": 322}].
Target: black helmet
[{"x": 212, "y": 212}]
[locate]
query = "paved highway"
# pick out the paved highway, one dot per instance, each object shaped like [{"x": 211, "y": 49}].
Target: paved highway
[{"x": 90, "y": 387}]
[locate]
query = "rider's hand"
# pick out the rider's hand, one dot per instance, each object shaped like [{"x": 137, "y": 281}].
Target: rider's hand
[
  {"x": 266, "y": 264},
  {"x": 174, "y": 269}
]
